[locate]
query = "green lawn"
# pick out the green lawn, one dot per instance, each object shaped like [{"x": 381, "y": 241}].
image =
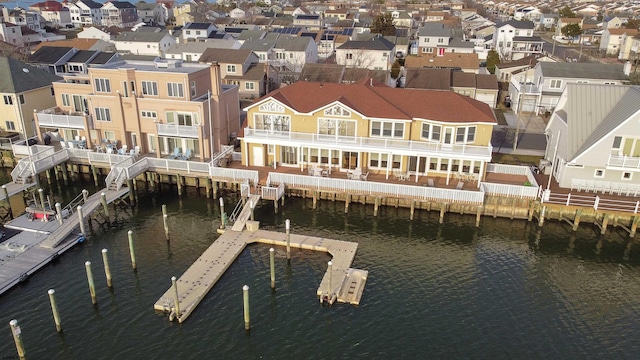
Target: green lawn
[{"x": 515, "y": 159}]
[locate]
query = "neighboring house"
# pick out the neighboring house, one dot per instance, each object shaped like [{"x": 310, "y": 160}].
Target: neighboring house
[
  {"x": 92, "y": 32},
  {"x": 237, "y": 13},
  {"x": 54, "y": 13},
  {"x": 542, "y": 91},
  {"x": 11, "y": 34},
  {"x": 119, "y": 13},
  {"x": 311, "y": 22},
  {"x": 195, "y": 30},
  {"x": 465, "y": 62},
  {"x": 22, "y": 17},
  {"x": 504, "y": 70},
  {"x": 263, "y": 48},
  {"x": 80, "y": 44},
  {"x": 192, "y": 50},
  {"x": 611, "y": 41},
  {"x": 150, "y": 13},
  {"x": 594, "y": 139},
  {"x": 23, "y": 89},
  {"x": 240, "y": 68},
  {"x": 375, "y": 54},
  {"x": 547, "y": 22},
  {"x": 435, "y": 16},
  {"x": 482, "y": 87},
  {"x": 626, "y": 46},
  {"x": 438, "y": 39},
  {"x": 161, "y": 106},
  {"x": 402, "y": 19},
  {"x": 290, "y": 53},
  {"x": 144, "y": 42},
  {"x": 52, "y": 59},
  {"x": 612, "y": 23},
  {"x": 362, "y": 116},
  {"x": 85, "y": 13},
  {"x": 562, "y": 22},
  {"x": 514, "y": 40}
]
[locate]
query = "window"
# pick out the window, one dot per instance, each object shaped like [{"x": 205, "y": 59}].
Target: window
[
  {"x": 66, "y": 101},
  {"x": 471, "y": 134},
  {"x": 599, "y": 173},
  {"x": 149, "y": 114},
  {"x": 426, "y": 40},
  {"x": 53, "y": 92},
  {"x": 337, "y": 110},
  {"x": 231, "y": 68},
  {"x": 348, "y": 56},
  {"x": 8, "y": 100},
  {"x": 381, "y": 161},
  {"x": 188, "y": 32},
  {"x": 440, "y": 40},
  {"x": 110, "y": 135},
  {"x": 431, "y": 132},
  {"x": 11, "y": 125},
  {"x": 582, "y": 82},
  {"x": 465, "y": 134},
  {"x": 182, "y": 118},
  {"x": 175, "y": 90},
  {"x": 150, "y": 88},
  {"x": 460, "y": 134},
  {"x": 556, "y": 84},
  {"x": 387, "y": 129},
  {"x": 102, "y": 114},
  {"x": 193, "y": 88},
  {"x": 249, "y": 86},
  {"x": 271, "y": 149},
  {"x": 336, "y": 127},
  {"x": 280, "y": 56},
  {"x": 426, "y": 50},
  {"x": 233, "y": 82},
  {"x": 21, "y": 98},
  {"x": 617, "y": 143},
  {"x": 627, "y": 175},
  {"x": 609, "y": 83},
  {"x": 272, "y": 122},
  {"x": 103, "y": 85}
]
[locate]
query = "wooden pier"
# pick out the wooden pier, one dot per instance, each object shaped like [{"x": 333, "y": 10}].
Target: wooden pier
[
  {"x": 39, "y": 242},
  {"x": 195, "y": 283}
]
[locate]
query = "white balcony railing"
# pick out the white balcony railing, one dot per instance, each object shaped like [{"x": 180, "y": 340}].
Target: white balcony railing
[
  {"x": 60, "y": 120},
  {"x": 356, "y": 143},
  {"x": 178, "y": 130},
  {"x": 623, "y": 161}
]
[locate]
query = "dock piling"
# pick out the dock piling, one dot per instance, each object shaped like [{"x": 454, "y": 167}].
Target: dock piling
[
  {"x": 6, "y": 198},
  {"x": 245, "y": 298},
  {"x": 329, "y": 272},
  {"x": 272, "y": 266},
  {"x": 478, "y": 215},
  {"x": 95, "y": 175},
  {"x": 287, "y": 225},
  {"x": 222, "y": 215},
  {"x": 54, "y": 309},
  {"x": 107, "y": 270},
  {"x": 164, "y": 219},
  {"x": 41, "y": 193},
  {"x": 174, "y": 284},
  {"x": 92, "y": 288},
  {"x": 376, "y": 204},
  {"x": 105, "y": 206},
  {"x": 81, "y": 220},
  {"x": 85, "y": 195},
  {"x": 131, "y": 251},
  {"x": 17, "y": 337},
  {"x": 251, "y": 206},
  {"x": 413, "y": 209},
  {"x": 59, "y": 212}
]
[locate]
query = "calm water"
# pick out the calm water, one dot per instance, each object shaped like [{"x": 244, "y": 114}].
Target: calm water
[{"x": 502, "y": 291}]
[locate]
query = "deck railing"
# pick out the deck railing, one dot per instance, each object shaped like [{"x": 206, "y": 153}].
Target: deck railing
[
  {"x": 273, "y": 193},
  {"x": 596, "y": 202},
  {"x": 630, "y": 162},
  {"x": 518, "y": 191},
  {"x": 376, "y": 188}
]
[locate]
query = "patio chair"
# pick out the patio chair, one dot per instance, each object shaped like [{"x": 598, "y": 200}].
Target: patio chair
[
  {"x": 364, "y": 176},
  {"x": 176, "y": 153},
  {"x": 186, "y": 156},
  {"x": 430, "y": 183},
  {"x": 325, "y": 173},
  {"x": 460, "y": 185}
]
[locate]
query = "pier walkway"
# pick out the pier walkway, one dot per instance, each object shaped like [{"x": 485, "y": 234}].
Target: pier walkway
[
  {"x": 41, "y": 242},
  {"x": 239, "y": 223},
  {"x": 14, "y": 188},
  {"x": 194, "y": 284}
]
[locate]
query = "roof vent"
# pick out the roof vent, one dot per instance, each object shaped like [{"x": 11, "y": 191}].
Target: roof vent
[{"x": 25, "y": 70}]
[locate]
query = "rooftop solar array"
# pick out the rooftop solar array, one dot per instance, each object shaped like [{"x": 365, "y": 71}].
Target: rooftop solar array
[{"x": 287, "y": 30}]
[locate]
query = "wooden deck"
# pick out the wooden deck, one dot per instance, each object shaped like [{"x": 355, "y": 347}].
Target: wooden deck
[
  {"x": 196, "y": 282},
  {"x": 39, "y": 242},
  {"x": 13, "y": 188}
]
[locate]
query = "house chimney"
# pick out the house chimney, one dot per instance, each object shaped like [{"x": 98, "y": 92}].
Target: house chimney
[
  {"x": 627, "y": 68},
  {"x": 216, "y": 79}
]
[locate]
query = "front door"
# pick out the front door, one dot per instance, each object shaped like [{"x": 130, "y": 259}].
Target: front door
[
  {"x": 258, "y": 155},
  {"x": 349, "y": 160}
]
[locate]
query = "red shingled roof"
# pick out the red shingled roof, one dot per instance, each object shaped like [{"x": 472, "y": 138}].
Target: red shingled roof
[{"x": 384, "y": 102}]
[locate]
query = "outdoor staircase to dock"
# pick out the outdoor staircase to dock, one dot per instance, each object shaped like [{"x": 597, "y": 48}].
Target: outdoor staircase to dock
[{"x": 245, "y": 214}]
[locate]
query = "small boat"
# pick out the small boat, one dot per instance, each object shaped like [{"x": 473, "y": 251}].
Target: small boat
[{"x": 35, "y": 213}]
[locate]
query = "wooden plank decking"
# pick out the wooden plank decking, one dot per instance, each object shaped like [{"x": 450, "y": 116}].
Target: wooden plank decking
[
  {"x": 13, "y": 188},
  {"x": 244, "y": 215},
  {"x": 196, "y": 282}
]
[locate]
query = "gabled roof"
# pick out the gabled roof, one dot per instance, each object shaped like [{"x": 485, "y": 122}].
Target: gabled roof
[
  {"x": 143, "y": 6},
  {"x": 225, "y": 56},
  {"x": 582, "y": 70},
  {"x": 463, "y": 79},
  {"x": 435, "y": 29},
  {"x": 376, "y": 43},
  {"x": 121, "y": 4},
  {"x": 449, "y": 60},
  {"x": 197, "y": 26},
  {"x": 90, "y": 4},
  {"x": 80, "y": 44},
  {"x": 17, "y": 77},
  {"x": 432, "y": 79},
  {"x": 322, "y": 72},
  {"x": 48, "y": 6},
  {"x": 593, "y": 111},
  {"x": 293, "y": 43},
  {"x": 517, "y": 24},
  {"x": 486, "y": 82},
  {"x": 385, "y": 102},
  {"x": 141, "y": 36},
  {"x": 49, "y": 55}
]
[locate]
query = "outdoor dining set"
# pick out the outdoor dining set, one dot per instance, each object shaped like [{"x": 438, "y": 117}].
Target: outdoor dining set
[{"x": 355, "y": 174}]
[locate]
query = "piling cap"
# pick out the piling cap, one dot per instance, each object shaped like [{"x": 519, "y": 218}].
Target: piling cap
[
  {"x": 272, "y": 250},
  {"x": 87, "y": 263},
  {"x": 103, "y": 194},
  {"x": 130, "y": 232},
  {"x": 4, "y": 186},
  {"x": 51, "y": 292},
  {"x": 173, "y": 278},
  {"x": 221, "y": 201},
  {"x": 104, "y": 251},
  {"x": 40, "y": 190},
  {"x": 13, "y": 322},
  {"x": 245, "y": 288},
  {"x": 329, "y": 263},
  {"x": 287, "y": 223}
]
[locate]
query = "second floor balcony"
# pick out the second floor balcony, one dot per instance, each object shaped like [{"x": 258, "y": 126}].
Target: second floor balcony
[
  {"x": 527, "y": 88},
  {"x": 624, "y": 162},
  {"x": 175, "y": 130},
  {"x": 369, "y": 144},
  {"x": 57, "y": 118}
]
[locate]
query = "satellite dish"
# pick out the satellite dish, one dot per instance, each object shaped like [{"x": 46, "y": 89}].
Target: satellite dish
[{"x": 25, "y": 70}]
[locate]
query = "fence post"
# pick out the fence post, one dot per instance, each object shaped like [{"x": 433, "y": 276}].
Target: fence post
[
  {"x": 568, "y": 199},
  {"x": 637, "y": 206},
  {"x": 595, "y": 203}
]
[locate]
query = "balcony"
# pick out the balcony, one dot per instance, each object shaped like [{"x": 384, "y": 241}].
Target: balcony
[
  {"x": 369, "y": 144},
  {"x": 624, "y": 162},
  {"x": 528, "y": 88},
  {"x": 57, "y": 118},
  {"x": 174, "y": 130}
]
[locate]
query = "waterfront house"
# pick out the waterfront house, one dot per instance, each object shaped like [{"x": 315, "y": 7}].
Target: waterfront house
[
  {"x": 119, "y": 13},
  {"x": 514, "y": 40},
  {"x": 160, "y": 106},
  {"x": 54, "y": 13},
  {"x": 23, "y": 89},
  {"x": 541, "y": 91},
  {"x": 85, "y": 13},
  {"x": 594, "y": 138},
  {"x": 369, "y": 126}
]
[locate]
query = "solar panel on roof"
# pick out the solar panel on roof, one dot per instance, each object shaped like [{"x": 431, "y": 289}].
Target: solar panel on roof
[{"x": 289, "y": 30}]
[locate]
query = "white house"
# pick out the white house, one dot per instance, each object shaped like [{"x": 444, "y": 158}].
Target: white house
[
  {"x": 11, "y": 33},
  {"x": 290, "y": 53},
  {"x": 514, "y": 40},
  {"x": 192, "y": 50},
  {"x": 144, "y": 42},
  {"x": 196, "y": 30},
  {"x": 119, "y": 13},
  {"x": 53, "y": 12},
  {"x": 375, "y": 54},
  {"x": 150, "y": 13},
  {"x": 93, "y": 32},
  {"x": 594, "y": 139},
  {"x": 85, "y": 13},
  {"x": 612, "y": 40}
]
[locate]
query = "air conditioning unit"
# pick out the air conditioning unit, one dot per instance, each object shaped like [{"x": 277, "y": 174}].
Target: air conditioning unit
[{"x": 545, "y": 166}]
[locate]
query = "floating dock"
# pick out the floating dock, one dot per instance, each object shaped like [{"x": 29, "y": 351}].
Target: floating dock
[
  {"x": 347, "y": 284},
  {"x": 39, "y": 242}
]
